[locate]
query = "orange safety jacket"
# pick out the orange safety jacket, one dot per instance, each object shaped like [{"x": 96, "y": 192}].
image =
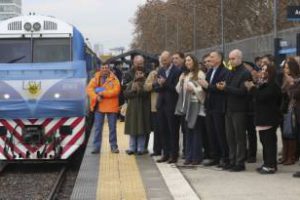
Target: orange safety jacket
[{"x": 110, "y": 96}]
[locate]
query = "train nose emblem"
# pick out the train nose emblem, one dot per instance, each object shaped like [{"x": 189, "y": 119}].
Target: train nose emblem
[{"x": 33, "y": 88}]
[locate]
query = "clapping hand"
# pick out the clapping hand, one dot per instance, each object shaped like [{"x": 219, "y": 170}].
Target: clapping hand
[
  {"x": 203, "y": 83},
  {"x": 221, "y": 85},
  {"x": 249, "y": 85}
]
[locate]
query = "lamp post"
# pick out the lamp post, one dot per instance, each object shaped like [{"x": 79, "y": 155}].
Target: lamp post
[{"x": 222, "y": 27}]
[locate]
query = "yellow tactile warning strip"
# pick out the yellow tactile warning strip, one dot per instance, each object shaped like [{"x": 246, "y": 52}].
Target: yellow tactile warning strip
[{"x": 119, "y": 176}]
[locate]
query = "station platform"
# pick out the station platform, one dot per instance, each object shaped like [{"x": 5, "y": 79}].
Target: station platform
[{"x": 108, "y": 176}]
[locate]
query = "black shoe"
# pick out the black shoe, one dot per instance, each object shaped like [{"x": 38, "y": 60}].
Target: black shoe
[
  {"x": 211, "y": 163},
  {"x": 251, "y": 160},
  {"x": 222, "y": 164},
  {"x": 196, "y": 162},
  {"x": 267, "y": 170},
  {"x": 227, "y": 167},
  {"x": 95, "y": 151},
  {"x": 139, "y": 153},
  {"x": 163, "y": 159},
  {"x": 296, "y": 175},
  {"x": 172, "y": 160},
  {"x": 238, "y": 168},
  {"x": 129, "y": 152},
  {"x": 155, "y": 154},
  {"x": 187, "y": 162},
  {"x": 116, "y": 150}
]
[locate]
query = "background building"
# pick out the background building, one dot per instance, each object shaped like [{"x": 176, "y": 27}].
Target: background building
[{"x": 10, "y": 8}]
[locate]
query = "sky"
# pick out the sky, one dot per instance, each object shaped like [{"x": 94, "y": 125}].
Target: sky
[{"x": 106, "y": 22}]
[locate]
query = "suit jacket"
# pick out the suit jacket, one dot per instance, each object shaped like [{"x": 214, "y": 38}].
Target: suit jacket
[
  {"x": 167, "y": 95},
  {"x": 237, "y": 94},
  {"x": 215, "y": 99}
]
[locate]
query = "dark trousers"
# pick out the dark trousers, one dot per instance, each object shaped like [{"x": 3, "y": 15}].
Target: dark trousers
[
  {"x": 156, "y": 139},
  {"x": 215, "y": 126},
  {"x": 251, "y": 136},
  {"x": 169, "y": 132},
  {"x": 183, "y": 131},
  {"x": 194, "y": 141},
  {"x": 236, "y": 137},
  {"x": 268, "y": 139},
  {"x": 205, "y": 141}
]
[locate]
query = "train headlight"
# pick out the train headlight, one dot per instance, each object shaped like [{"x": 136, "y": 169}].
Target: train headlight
[
  {"x": 27, "y": 26},
  {"x": 6, "y": 96},
  {"x": 37, "y": 26},
  {"x": 56, "y": 95}
]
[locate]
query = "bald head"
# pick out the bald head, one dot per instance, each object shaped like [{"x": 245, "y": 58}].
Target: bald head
[
  {"x": 138, "y": 61},
  {"x": 165, "y": 58},
  {"x": 235, "y": 57}
]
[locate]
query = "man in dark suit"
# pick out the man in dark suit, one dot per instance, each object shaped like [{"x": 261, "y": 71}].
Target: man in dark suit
[
  {"x": 236, "y": 113},
  {"x": 215, "y": 105},
  {"x": 167, "y": 79}
]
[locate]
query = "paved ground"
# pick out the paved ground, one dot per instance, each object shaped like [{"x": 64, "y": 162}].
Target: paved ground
[{"x": 213, "y": 184}]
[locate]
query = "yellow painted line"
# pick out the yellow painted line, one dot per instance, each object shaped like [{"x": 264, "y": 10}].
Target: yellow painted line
[{"x": 119, "y": 176}]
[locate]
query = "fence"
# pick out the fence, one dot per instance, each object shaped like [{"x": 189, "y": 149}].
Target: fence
[{"x": 256, "y": 46}]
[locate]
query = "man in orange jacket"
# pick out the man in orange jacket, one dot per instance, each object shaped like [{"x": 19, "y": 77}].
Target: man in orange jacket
[{"x": 103, "y": 91}]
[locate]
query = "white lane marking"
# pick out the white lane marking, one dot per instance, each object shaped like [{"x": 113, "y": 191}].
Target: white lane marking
[
  {"x": 177, "y": 184},
  {"x": 179, "y": 188}
]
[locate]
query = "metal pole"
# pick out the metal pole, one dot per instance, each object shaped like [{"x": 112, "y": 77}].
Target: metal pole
[
  {"x": 275, "y": 4},
  {"x": 194, "y": 28},
  {"x": 222, "y": 26},
  {"x": 166, "y": 32},
  {"x": 177, "y": 34}
]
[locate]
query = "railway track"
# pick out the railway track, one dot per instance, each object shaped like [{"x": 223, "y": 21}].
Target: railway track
[{"x": 56, "y": 187}]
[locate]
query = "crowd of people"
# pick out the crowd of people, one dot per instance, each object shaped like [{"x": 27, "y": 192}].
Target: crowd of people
[{"x": 219, "y": 109}]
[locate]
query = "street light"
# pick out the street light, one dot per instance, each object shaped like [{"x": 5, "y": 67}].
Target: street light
[
  {"x": 222, "y": 27},
  {"x": 194, "y": 24}
]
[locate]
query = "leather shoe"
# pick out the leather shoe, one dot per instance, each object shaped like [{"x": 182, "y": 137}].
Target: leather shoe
[
  {"x": 196, "y": 162},
  {"x": 211, "y": 163},
  {"x": 238, "y": 168},
  {"x": 172, "y": 160},
  {"x": 163, "y": 159},
  {"x": 129, "y": 152},
  {"x": 95, "y": 151},
  {"x": 296, "y": 174},
  {"x": 227, "y": 167},
  {"x": 155, "y": 154},
  {"x": 187, "y": 162},
  {"x": 116, "y": 150}
]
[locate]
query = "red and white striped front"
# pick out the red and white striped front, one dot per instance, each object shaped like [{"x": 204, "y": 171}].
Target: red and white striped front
[{"x": 17, "y": 149}]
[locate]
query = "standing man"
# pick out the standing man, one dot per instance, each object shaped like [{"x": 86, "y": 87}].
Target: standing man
[
  {"x": 178, "y": 61},
  {"x": 103, "y": 91},
  {"x": 215, "y": 105},
  {"x": 237, "y": 107},
  {"x": 167, "y": 79}
]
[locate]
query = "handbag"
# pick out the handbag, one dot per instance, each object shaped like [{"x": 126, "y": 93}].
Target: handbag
[{"x": 289, "y": 124}]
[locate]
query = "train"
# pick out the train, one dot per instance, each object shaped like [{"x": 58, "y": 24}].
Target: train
[{"x": 45, "y": 65}]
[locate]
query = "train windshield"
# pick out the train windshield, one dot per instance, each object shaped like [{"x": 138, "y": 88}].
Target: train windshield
[
  {"x": 51, "y": 50},
  {"x": 37, "y": 50},
  {"x": 15, "y": 51}
]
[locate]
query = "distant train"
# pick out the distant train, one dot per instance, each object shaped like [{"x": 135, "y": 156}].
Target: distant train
[{"x": 44, "y": 68}]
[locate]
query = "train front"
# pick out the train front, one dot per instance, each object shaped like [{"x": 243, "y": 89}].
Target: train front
[{"x": 42, "y": 89}]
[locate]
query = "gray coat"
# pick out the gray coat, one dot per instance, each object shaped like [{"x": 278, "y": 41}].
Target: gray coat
[{"x": 137, "y": 120}]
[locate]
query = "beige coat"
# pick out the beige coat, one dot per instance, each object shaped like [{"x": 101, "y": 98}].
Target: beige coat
[{"x": 148, "y": 87}]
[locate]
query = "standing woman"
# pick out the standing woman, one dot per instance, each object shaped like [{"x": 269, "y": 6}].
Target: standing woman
[
  {"x": 137, "y": 120},
  {"x": 291, "y": 73},
  {"x": 267, "y": 96},
  {"x": 195, "y": 122}
]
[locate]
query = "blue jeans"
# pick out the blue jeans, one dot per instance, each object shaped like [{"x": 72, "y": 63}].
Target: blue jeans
[
  {"x": 137, "y": 143},
  {"x": 99, "y": 121}
]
